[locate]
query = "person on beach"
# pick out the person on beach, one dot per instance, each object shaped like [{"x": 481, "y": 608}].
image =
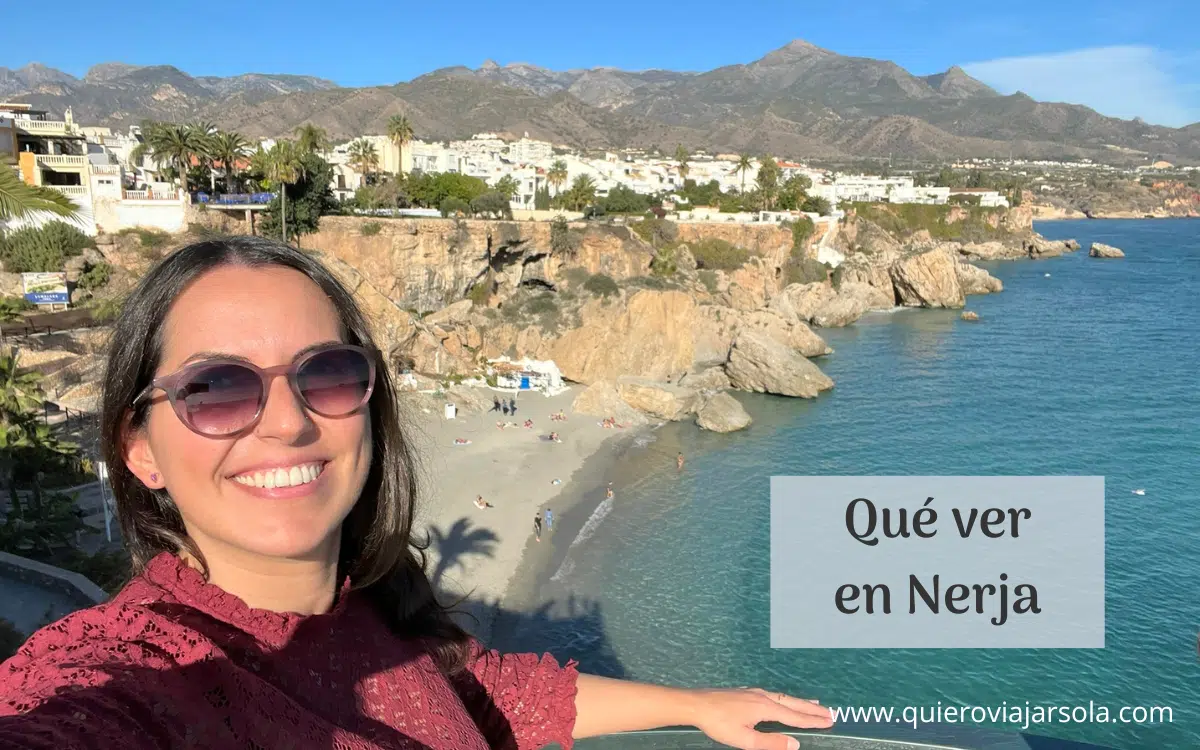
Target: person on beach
[
  {"x": 495, "y": 404},
  {"x": 512, "y": 407},
  {"x": 504, "y": 406},
  {"x": 549, "y": 519},
  {"x": 679, "y": 462},
  {"x": 266, "y": 488},
  {"x": 537, "y": 526},
  {"x": 608, "y": 493},
  {"x": 481, "y": 503}
]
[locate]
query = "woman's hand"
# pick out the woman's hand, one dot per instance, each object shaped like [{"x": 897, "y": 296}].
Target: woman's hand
[{"x": 729, "y": 717}]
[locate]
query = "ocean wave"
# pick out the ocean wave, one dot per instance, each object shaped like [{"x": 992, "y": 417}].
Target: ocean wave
[
  {"x": 588, "y": 530},
  {"x": 644, "y": 440}
]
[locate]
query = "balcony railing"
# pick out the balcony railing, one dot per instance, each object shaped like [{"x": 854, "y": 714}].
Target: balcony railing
[
  {"x": 235, "y": 199},
  {"x": 106, "y": 169},
  {"x": 61, "y": 161},
  {"x": 75, "y": 191},
  {"x": 148, "y": 195},
  {"x": 42, "y": 127}
]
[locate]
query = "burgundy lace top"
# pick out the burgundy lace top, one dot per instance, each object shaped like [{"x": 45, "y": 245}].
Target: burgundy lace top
[{"x": 175, "y": 662}]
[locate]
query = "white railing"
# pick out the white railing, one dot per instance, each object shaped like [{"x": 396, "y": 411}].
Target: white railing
[
  {"x": 41, "y": 126},
  {"x": 62, "y": 161},
  {"x": 147, "y": 195},
  {"x": 106, "y": 169},
  {"x": 72, "y": 190}
]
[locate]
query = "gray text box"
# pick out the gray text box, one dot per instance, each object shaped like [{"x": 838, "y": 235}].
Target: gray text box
[{"x": 1058, "y": 553}]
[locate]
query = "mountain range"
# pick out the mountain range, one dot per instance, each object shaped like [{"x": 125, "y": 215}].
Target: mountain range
[{"x": 799, "y": 101}]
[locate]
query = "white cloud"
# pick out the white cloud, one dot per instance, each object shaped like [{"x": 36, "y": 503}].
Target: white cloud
[{"x": 1124, "y": 81}]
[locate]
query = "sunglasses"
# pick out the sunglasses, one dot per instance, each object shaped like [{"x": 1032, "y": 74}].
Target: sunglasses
[{"x": 225, "y": 397}]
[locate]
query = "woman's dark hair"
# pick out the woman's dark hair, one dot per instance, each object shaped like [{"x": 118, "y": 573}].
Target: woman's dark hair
[{"x": 377, "y": 549}]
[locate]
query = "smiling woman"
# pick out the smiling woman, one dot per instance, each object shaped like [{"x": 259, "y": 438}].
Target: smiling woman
[{"x": 266, "y": 493}]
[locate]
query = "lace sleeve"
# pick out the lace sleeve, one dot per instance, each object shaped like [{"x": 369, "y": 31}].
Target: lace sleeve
[
  {"x": 96, "y": 695},
  {"x": 521, "y": 701}
]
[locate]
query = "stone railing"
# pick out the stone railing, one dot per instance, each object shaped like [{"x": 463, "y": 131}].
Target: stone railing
[
  {"x": 72, "y": 585},
  {"x": 148, "y": 195},
  {"x": 62, "y": 161},
  {"x": 77, "y": 191},
  {"x": 106, "y": 169},
  {"x": 42, "y": 127}
]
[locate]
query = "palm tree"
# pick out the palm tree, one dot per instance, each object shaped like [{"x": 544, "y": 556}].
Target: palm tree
[
  {"x": 18, "y": 200},
  {"x": 557, "y": 175},
  {"x": 681, "y": 157},
  {"x": 399, "y": 129},
  {"x": 229, "y": 147},
  {"x": 363, "y": 157},
  {"x": 175, "y": 145},
  {"x": 745, "y": 164},
  {"x": 20, "y": 393},
  {"x": 284, "y": 166},
  {"x": 582, "y": 192},
  {"x": 311, "y": 139}
]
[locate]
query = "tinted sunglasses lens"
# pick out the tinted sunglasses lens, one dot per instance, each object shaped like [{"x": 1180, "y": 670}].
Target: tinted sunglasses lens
[
  {"x": 221, "y": 399},
  {"x": 335, "y": 382}
]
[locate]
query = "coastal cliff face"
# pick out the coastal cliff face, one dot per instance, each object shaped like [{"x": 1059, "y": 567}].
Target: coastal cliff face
[
  {"x": 1119, "y": 199},
  {"x": 445, "y": 296}
]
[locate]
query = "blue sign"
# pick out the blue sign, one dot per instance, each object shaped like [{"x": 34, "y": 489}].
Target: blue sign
[{"x": 46, "y": 288}]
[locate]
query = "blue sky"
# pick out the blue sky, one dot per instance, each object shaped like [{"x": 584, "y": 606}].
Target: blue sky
[{"x": 1125, "y": 58}]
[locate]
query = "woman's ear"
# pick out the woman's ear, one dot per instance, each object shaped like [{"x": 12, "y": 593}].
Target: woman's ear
[{"x": 139, "y": 457}]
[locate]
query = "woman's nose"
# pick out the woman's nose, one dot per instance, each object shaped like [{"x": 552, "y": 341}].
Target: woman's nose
[{"x": 284, "y": 417}]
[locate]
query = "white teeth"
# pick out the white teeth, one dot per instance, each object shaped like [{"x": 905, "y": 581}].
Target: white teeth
[{"x": 291, "y": 476}]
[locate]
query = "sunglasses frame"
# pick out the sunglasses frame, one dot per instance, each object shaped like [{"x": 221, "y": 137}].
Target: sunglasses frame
[{"x": 170, "y": 385}]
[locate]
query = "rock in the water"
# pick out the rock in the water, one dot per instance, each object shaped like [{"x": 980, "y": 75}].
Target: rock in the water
[
  {"x": 759, "y": 363},
  {"x": 662, "y": 400},
  {"x": 712, "y": 379},
  {"x": 1072, "y": 245},
  {"x": 1039, "y": 247},
  {"x": 1100, "y": 250},
  {"x": 723, "y": 413},
  {"x": 970, "y": 315},
  {"x": 600, "y": 399},
  {"x": 992, "y": 250},
  {"x": 975, "y": 280},
  {"x": 843, "y": 309},
  {"x": 928, "y": 279}
]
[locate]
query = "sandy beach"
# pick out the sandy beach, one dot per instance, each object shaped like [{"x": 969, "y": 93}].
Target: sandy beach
[{"x": 475, "y": 552}]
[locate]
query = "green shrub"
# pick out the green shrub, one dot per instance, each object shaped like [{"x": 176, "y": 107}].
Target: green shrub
[
  {"x": 709, "y": 279},
  {"x": 107, "y": 309},
  {"x": 806, "y": 271},
  {"x": 802, "y": 229},
  {"x": 44, "y": 248},
  {"x": 601, "y": 285},
  {"x": 664, "y": 262},
  {"x": 835, "y": 277},
  {"x": 718, "y": 254},
  {"x": 576, "y": 276},
  {"x": 94, "y": 276},
  {"x": 543, "y": 303},
  {"x": 563, "y": 239},
  {"x": 480, "y": 292},
  {"x": 370, "y": 229},
  {"x": 147, "y": 237},
  {"x": 12, "y": 307},
  {"x": 454, "y": 206},
  {"x": 658, "y": 232},
  {"x": 652, "y": 282}
]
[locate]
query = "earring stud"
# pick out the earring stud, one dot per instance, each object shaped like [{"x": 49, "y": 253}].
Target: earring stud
[{"x": 154, "y": 477}]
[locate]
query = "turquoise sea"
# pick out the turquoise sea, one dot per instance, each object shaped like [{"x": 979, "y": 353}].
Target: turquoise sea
[{"x": 1091, "y": 370}]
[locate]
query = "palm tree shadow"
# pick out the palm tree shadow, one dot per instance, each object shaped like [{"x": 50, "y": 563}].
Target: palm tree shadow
[{"x": 459, "y": 542}]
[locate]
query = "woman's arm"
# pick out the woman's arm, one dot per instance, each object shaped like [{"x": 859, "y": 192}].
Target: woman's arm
[{"x": 605, "y": 706}]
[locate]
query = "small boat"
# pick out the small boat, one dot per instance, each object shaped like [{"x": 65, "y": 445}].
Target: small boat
[
  {"x": 1047, "y": 276},
  {"x": 1139, "y": 492}
]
